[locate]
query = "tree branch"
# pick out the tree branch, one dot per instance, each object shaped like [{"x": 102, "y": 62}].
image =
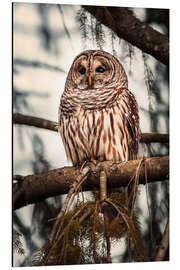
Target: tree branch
[
  {"x": 154, "y": 137},
  {"x": 22, "y": 119},
  {"x": 38, "y": 187},
  {"x": 127, "y": 26},
  {"x": 51, "y": 125},
  {"x": 164, "y": 245}
]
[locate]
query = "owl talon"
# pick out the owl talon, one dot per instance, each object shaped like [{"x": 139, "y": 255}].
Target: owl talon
[
  {"x": 101, "y": 158},
  {"x": 96, "y": 161},
  {"x": 93, "y": 160}
]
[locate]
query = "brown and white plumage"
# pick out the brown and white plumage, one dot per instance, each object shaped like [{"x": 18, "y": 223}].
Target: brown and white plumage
[{"x": 98, "y": 115}]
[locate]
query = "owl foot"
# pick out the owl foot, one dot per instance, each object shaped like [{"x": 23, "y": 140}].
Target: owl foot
[{"x": 96, "y": 160}]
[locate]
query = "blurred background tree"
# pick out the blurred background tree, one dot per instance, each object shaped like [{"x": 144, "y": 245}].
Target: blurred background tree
[{"x": 46, "y": 39}]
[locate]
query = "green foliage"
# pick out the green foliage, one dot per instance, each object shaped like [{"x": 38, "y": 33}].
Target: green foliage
[
  {"x": 116, "y": 229},
  {"x": 74, "y": 254},
  {"x": 119, "y": 198},
  {"x": 89, "y": 227}
]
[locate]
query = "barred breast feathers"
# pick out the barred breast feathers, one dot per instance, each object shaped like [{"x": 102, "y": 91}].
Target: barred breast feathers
[
  {"x": 71, "y": 100},
  {"x": 115, "y": 121}
]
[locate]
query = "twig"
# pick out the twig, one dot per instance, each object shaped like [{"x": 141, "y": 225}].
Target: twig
[
  {"x": 164, "y": 244},
  {"x": 68, "y": 203},
  {"x": 61, "y": 235},
  {"x": 76, "y": 190},
  {"x": 135, "y": 186},
  {"x": 103, "y": 185},
  {"x": 103, "y": 196},
  {"x": 130, "y": 228},
  {"x": 94, "y": 235},
  {"x": 82, "y": 174}
]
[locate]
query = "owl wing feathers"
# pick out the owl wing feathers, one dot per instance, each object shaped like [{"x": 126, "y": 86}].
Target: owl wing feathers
[
  {"x": 132, "y": 140},
  {"x": 132, "y": 125}
]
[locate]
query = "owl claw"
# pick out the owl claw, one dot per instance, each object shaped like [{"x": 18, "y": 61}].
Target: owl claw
[
  {"x": 96, "y": 161},
  {"x": 93, "y": 160}
]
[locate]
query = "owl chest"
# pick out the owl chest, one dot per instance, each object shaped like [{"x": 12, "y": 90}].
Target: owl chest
[{"x": 96, "y": 133}]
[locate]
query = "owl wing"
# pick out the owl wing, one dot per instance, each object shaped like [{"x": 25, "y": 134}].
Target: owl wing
[
  {"x": 132, "y": 124},
  {"x": 133, "y": 140}
]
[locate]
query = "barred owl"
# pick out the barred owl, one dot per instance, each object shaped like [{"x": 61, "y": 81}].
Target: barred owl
[{"x": 98, "y": 115}]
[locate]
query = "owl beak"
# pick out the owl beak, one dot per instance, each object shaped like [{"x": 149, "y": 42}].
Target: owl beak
[{"x": 90, "y": 80}]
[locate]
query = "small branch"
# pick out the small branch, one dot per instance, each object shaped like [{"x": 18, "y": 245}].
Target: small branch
[
  {"x": 164, "y": 245},
  {"x": 34, "y": 121},
  {"x": 84, "y": 172},
  {"x": 103, "y": 196},
  {"x": 38, "y": 187},
  {"x": 127, "y": 26},
  {"x": 103, "y": 185},
  {"x": 51, "y": 125},
  {"x": 154, "y": 137}
]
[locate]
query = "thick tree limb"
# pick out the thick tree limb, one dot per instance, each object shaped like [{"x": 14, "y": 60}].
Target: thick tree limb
[
  {"x": 51, "y": 125},
  {"x": 38, "y": 187},
  {"x": 127, "y": 26}
]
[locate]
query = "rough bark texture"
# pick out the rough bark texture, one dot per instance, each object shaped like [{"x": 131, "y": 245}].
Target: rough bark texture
[
  {"x": 51, "y": 125},
  {"x": 37, "y": 187},
  {"x": 128, "y": 27}
]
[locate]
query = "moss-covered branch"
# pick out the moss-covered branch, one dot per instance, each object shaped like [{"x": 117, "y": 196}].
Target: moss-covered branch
[
  {"x": 128, "y": 27},
  {"x": 37, "y": 187}
]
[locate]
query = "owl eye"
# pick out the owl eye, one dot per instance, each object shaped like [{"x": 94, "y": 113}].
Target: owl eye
[
  {"x": 100, "y": 69},
  {"x": 82, "y": 70}
]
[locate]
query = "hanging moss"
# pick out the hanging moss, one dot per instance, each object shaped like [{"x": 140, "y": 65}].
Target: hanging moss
[
  {"x": 88, "y": 226},
  {"x": 116, "y": 229},
  {"x": 74, "y": 255},
  {"x": 118, "y": 198}
]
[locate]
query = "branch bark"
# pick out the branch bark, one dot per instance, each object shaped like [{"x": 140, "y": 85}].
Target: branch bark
[
  {"x": 164, "y": 245},
  {"x": 38, "y": 187},
  {"x": 128, "y": 27},
  {"x": 22, "y": 119},
  {"x": 154, "y": 137}
]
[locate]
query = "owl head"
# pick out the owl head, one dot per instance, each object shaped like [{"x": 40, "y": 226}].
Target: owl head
[{"x": 96, "y": 69}]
